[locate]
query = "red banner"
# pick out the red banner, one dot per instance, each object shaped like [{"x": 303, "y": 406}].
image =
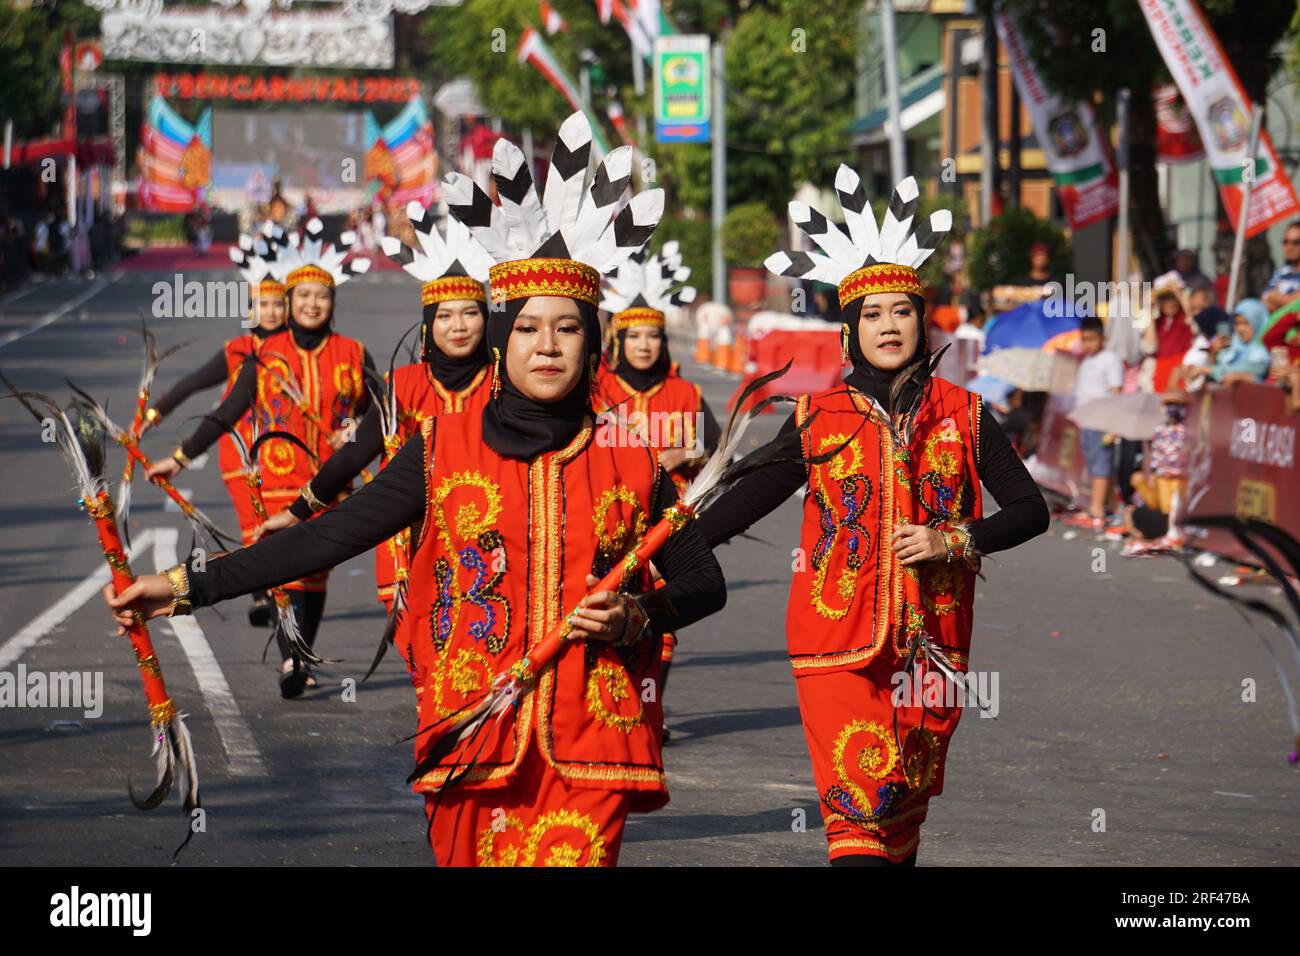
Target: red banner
[
  {"x": 1243, "y": 462},
  {"x": 285, "y": 89}
]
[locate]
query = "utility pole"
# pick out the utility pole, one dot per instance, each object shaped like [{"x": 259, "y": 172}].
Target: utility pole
[
  {"x": 719, "y": 124},
  {"x": 897, "y": 145}
]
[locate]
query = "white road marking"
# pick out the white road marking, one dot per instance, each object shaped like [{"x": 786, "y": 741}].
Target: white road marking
[
  {"x": 98, "y": 286},
  {"x": 242, "y": 754},
  {"x": 66, "y": 606},
  {"x": 21, "y": 293},
  {"x": 169, "y": 505}
]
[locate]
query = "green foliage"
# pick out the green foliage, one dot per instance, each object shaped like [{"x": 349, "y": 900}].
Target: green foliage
[
  {"x": 29, "y": 71},
  {"x": 749, "y": 234},
  {"x": 790, "y": 73},
  {"x": 696, "y": 238},
  {"x": 1000, "y": 253},
  {"x": 461, "y": 41}
]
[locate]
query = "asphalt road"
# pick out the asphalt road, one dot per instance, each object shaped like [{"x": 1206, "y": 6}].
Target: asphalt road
[{"x": 1120, "y": 682}]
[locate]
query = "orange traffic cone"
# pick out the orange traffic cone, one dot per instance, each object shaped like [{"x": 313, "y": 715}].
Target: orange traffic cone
[
  {"x": 702, "y": 356},
  {"x": 739, "y": 352}
]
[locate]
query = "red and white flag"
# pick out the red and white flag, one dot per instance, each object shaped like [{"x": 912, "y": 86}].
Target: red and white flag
[{"x": 551, "y": 19}]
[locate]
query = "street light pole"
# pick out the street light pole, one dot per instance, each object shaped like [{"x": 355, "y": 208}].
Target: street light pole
[
  {"x": 897, "y": 148},
  {"x": 719, "y": 168}
]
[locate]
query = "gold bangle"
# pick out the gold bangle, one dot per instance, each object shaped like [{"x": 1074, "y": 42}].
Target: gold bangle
[
  {"x": 152, "y": 416},
  {"x": 314, "y": 503},
  {"x": 182, "y": 458},
  {"x": 178, "y": 578}
]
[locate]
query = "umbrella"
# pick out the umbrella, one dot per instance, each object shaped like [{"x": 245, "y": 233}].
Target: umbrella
[
  {"x": 1132, "y": 415},
  {"x": 1031, "y": 325},
  {"x": 990, "y": 388},
  {"x": 1032, "y": 369}
]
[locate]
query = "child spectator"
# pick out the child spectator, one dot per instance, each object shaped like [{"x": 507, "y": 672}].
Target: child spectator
[{"x": 1101, "y": 373}]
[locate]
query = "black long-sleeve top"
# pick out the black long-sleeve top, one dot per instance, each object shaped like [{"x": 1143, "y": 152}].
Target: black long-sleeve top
[
  {"x": 694, "y": 589},
  {"x": 208, "y": 375},
  {"x": 1022, "y": 511},
  {"x": 345, "y": 464},
  {"x": 237, "y": 403}
]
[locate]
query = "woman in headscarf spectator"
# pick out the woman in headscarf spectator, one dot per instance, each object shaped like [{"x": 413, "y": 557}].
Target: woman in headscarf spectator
[{"x": 1242, "y": 357}]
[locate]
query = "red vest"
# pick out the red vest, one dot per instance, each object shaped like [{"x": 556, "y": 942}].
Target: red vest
[
  {"x": 850, "y": 597},
  {"x": 236, "y": 350},
  {"x": 501, "y": 556},
  {"x": 330, "y": 377},
  {"x": 665, "y": 415},
  {"x": 420, "y": 396}
]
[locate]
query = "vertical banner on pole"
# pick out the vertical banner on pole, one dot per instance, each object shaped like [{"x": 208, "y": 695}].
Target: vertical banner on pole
[
  {"x": 1076, "y": 156},
  {"x": 683, "y": 89},
  {"x": 1219, "y": 104}
]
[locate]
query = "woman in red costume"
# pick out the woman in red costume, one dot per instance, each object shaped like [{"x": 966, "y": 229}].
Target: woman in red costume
[
  {"x": 306, "y": 380},
  {"x": 518, "y": 510},
  {"x": 451, "y": 378},
  {"x": 883, "y": 592},
  {"x": 255, "y": 257}
]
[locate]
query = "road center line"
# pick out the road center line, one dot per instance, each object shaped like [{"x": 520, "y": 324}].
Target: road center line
[
  {"x": 54, "y": 315},
  {"x": 66, "y": 606},
  {"x": 242, "y": 755}
]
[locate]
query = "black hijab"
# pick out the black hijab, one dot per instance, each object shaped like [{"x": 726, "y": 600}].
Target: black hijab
[
  {"x": 308, "y": 339},
  {"x": 453, "y": 374},
  {"x": 642, "y": 379},
  {"x": 515, "y": 426},
  {"x": 879, "y": 383}
]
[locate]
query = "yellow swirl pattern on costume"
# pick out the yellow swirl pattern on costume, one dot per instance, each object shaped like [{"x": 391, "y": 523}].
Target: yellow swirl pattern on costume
[{"x": 618, "y": 685}]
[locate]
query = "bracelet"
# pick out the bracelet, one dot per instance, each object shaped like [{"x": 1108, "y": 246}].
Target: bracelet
[
  {"x": 152, "y": 416},
  {"x": 178, "y": 577},
  {"x": 314, "y": 503},
  {"x": 956, "y": 541},
  {"x": 182, "y": 458},
  {"x": 635, "y": 623}
]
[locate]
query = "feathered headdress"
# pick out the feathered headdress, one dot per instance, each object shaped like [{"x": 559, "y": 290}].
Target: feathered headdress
[
  {"x": 256, "y": 258},
  {"x": 645, "y": 286},
  {"x": 455, "y": 267},
  {"x": 308, "y": 258},
  {"x": 869, "y": 259},
  {"x": 562, "y": 242}
]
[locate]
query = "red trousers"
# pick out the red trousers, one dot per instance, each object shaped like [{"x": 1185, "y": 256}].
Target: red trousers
[
  {"x": 538, "y": 820},
  {"x": 874, "y": 797}
]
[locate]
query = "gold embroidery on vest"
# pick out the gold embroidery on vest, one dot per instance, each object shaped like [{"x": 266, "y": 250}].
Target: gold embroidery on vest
[{"x": 619, "y": 687}]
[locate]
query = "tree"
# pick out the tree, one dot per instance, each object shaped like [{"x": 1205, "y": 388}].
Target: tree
[{"x": 1062, "y": 50}]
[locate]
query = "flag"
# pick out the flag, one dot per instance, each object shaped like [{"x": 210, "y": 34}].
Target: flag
[
  {"x": 551, "y": 19},
  {"x": 641, "y": 41},
  {"x": 615, "y": 113},
  {"x": 1076, "y": 155},
  {"x": 1219, "y": 104},
  {"x": 603, "y": 9},
  {"x": 1176, "y": 138},
  {"x": 534, "y": 50}
]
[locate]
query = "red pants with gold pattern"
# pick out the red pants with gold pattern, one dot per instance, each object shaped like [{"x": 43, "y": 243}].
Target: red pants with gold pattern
[
  {"x": 874, "y": 797},
  {"x": 538, "y": 820}
]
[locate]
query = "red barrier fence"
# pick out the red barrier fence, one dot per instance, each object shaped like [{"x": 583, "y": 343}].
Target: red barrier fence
[
  {"x": 1243, "y": 462},
  {"x": 813, "y": 345}
]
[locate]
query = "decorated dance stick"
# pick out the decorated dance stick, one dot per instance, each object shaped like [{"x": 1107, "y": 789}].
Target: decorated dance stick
[
  {"x": 253, "y": 478},
  {"x": 151, "y": 362},
  {"x": 385, "y": 399},
  {"x": 197, "y": 519},
  {"x": 290, "y": 386},
  {"x": 81, "y": 440},
  {"x": 509, "y": 686}
]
